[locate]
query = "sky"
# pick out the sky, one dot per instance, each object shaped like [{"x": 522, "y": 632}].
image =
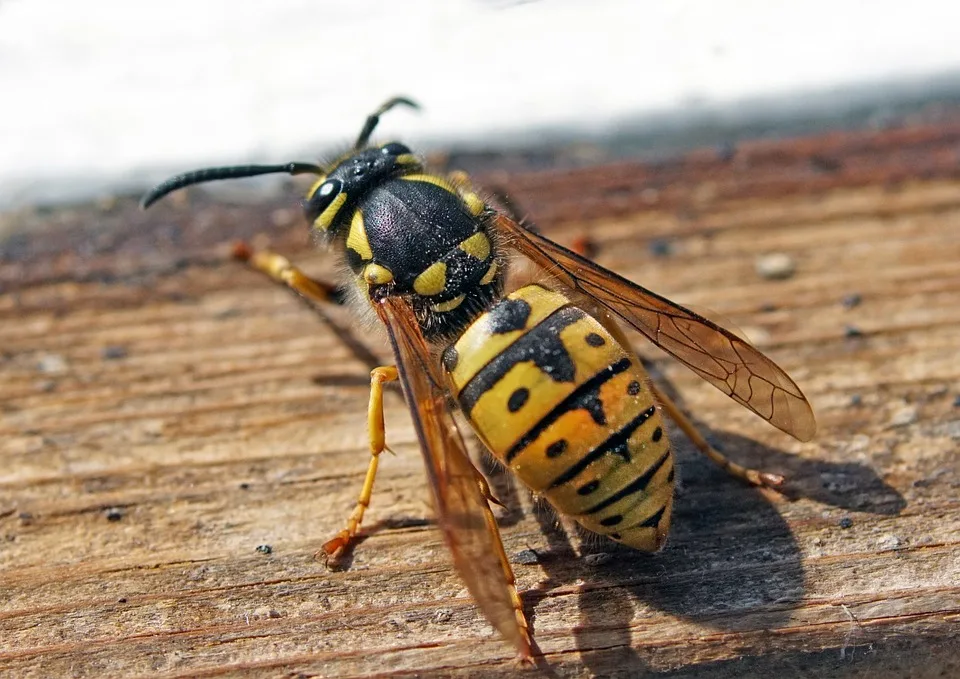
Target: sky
[{"x": 113, "y": 94}]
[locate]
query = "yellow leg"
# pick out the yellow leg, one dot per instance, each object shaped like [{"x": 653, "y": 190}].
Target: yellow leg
[
  {"x": 378, "y": 376},
  {"x": 280, "y": 269},
  {"x": 485, "y": 489},
  {"x": 757, "y": 478}
]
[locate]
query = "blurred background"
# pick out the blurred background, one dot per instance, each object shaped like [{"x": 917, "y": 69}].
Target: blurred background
[{"x": 106, "y": 96}]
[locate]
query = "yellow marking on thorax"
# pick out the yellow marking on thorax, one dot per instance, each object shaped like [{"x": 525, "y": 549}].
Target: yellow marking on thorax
[
  {"x": 473, "y": 203},
  {"x": 443, "y": 307},
  {"x": 454, "y": 185},
  {"x": 478, "y": 346},
  {"x": 357, "y": 237},
  {"x": 377, "y": 274},
  {"x": 326, "y": 217},
  {"x": 432, "y": 281},
  {"x": 490, "y": 275},
  {"x": 477, "y": 246},
  {"x": 430, "y": 179}
]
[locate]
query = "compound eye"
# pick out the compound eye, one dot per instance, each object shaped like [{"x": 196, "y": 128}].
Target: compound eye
[
  {"x": 328, "y": 190},
  {"x": 394, "y": 149},
  {"x": 322, "y": 206}
]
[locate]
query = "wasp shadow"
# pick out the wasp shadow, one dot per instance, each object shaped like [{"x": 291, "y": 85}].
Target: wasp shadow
[
  {"x": 846, "y": 485},
  {"x": 731, "y": 563}
]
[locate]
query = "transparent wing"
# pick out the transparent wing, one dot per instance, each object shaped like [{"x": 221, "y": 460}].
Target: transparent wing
[
  {"x": 724, "y": 360},
  {"x": 463, "y": 513}
]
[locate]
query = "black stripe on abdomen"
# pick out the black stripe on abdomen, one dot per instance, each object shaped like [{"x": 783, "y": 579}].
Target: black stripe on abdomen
[
  {"x": 616, "y": 443},
  {"x": 651, "y": 521},
  {"x": 585, "y": 397},
  {"x": 541, "y": 345},
  {"x": 639, "y": 484}
]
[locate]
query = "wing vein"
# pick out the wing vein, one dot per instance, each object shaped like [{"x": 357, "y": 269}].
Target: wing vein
[{"x": 721, "y": 358}]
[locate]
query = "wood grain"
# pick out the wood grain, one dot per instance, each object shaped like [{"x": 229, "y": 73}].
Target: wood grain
[{"x": 164, "y": 412}]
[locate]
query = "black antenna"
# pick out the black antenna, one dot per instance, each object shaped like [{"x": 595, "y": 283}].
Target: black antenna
[
  {"x": 213, "y": 173},
  {"x": 374, "y": 118}
]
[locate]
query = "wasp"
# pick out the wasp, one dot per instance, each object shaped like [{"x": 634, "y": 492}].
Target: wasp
[{"x": 543, "y": 373}]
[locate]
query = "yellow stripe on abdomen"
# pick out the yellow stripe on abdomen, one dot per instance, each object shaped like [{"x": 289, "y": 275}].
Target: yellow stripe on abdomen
[{"x": 558, "y": 400}]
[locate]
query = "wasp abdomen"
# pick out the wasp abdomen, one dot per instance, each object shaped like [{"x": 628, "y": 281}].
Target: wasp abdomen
[{"x": 558, "y": 400}]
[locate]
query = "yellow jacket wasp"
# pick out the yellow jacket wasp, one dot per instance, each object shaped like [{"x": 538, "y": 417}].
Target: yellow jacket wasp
[{"x": 543, "y": 373}]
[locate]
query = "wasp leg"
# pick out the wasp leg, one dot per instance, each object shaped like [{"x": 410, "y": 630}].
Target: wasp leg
[
  {"x": 280, "y": 269},
  {"x": 485, "y": 488},
  {"x": 753, "y": 476},
  {"x": 378, "y": 376}
]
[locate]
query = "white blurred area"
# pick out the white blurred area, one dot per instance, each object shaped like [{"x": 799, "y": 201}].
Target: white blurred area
[{"x": 103, "y": 95}]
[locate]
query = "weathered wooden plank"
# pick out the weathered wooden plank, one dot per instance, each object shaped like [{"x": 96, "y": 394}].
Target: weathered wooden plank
[{"x": 164, "y": 412}]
